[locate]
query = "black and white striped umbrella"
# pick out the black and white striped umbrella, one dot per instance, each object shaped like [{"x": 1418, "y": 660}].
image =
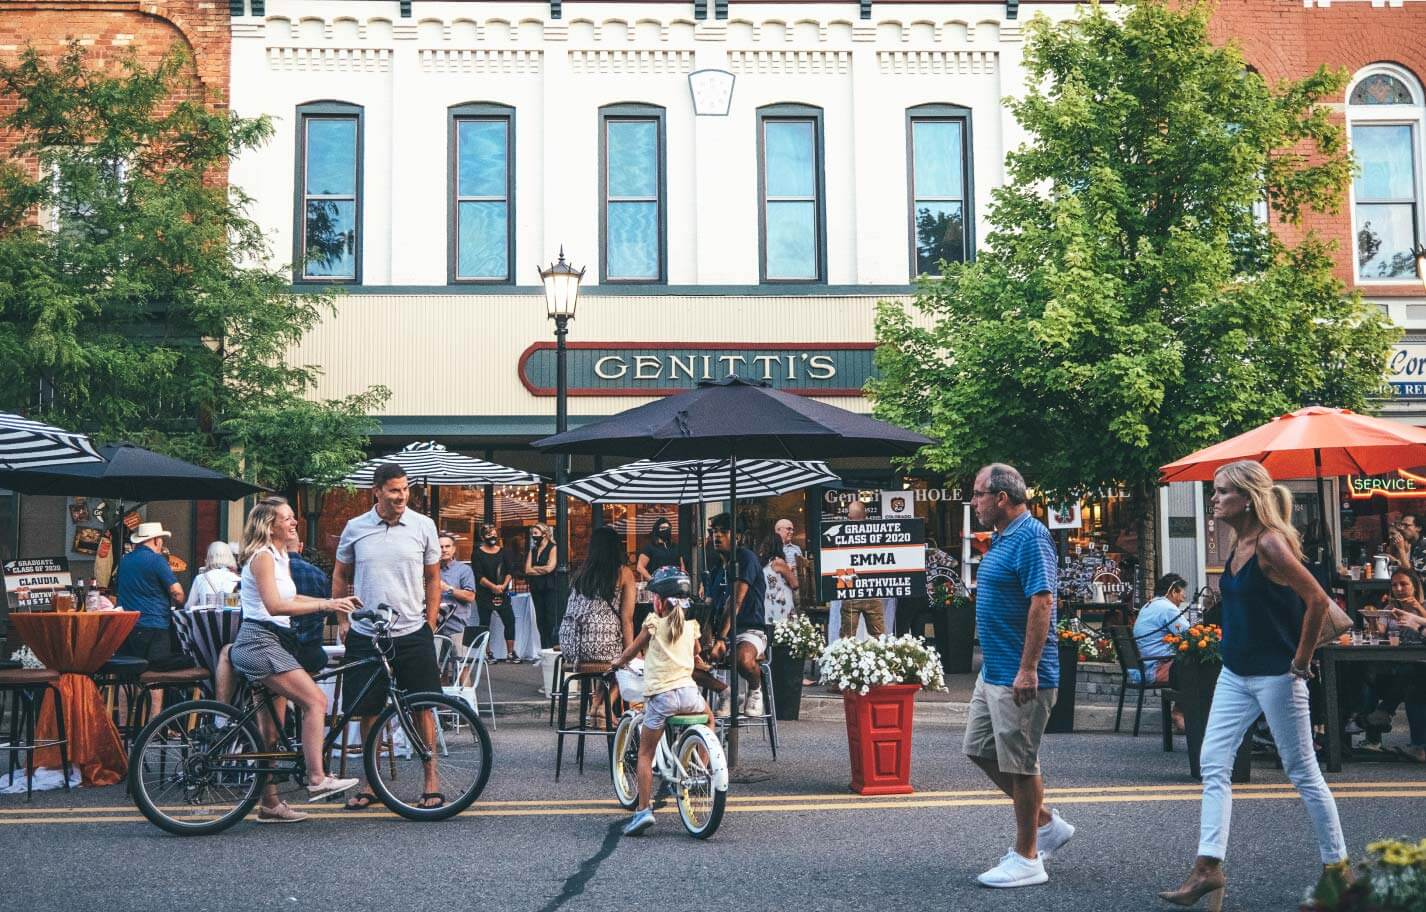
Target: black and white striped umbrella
[
  {"x": 26, "y": 444},
  {"x": 690, "y": 481},
  {"x": 430, "y": 463}
]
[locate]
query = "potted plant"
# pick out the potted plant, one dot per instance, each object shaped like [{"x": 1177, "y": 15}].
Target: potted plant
[
  {"x": 955, "y": 627},
  {"x": 1391, "y": 879},
  {"x": 879, "y": 679},
  {"x": 1198, "y": 659},
  {"x": 1069, "y": 637},
  {"x": 794, "y": 641}
]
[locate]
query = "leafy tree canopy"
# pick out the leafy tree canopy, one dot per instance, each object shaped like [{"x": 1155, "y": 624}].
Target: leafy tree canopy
[
  {"x": 1129, "y": 306},
  {"x": 135, "y": 302}
]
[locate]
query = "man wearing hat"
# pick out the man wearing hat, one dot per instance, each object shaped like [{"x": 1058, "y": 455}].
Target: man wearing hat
[{"x": 147, "y": 585}]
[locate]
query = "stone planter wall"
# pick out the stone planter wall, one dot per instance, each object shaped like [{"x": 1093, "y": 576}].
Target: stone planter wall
[{"x": 1098, "y": 682}]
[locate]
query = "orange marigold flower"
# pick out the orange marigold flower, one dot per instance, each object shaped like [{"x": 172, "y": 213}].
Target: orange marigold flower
[
  {"x": 1183, "y": 647},
  {"x": 1202, "y": 644}
]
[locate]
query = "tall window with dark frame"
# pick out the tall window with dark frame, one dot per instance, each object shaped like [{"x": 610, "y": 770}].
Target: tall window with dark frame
[
  {"x": 939, "y": 182},
  {"x": 330, "y": 194},
  {"x": 1384, "y": 119},
  {"x": 791, "y": 199},
  {"x": 483, "y": 229},
  {"x": 633, "y": 198}
]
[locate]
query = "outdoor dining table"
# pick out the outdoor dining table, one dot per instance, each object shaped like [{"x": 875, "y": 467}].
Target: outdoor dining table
[
  {"x": 1331, "y": 656},
  {"x": 207, "y": 631},
  {"x": 527, "y": 632},
  {"x": 77, "y": 644}
]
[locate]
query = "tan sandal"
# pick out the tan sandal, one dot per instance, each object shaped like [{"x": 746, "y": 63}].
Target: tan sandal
[{"x": 279, "y": 813}]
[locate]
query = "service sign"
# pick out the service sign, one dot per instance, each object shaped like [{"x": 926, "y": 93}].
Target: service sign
[
  {"x": 30, "y": 583},
  {"x": 881, "y": 558}
]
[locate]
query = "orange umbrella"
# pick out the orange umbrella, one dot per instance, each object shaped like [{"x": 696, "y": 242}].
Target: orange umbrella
[{"x": 1311, "y": 442}]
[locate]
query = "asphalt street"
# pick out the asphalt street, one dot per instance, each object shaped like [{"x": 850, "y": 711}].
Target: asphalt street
[{"x": 793, "y": 839}]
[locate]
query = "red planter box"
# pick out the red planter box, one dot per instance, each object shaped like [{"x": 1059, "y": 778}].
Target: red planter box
[{"x": 879, "y": 737}]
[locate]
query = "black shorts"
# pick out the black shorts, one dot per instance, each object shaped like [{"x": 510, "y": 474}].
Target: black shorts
[
  {"x": 155, "y": 645},
  {"x": 413, "y": 662}
]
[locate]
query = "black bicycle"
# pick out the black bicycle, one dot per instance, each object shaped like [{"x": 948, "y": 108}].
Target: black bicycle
[{"x": 200, "y": 766}]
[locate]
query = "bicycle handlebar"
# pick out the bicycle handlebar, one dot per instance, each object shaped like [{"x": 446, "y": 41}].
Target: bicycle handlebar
[{"x": 380, "y": 614}]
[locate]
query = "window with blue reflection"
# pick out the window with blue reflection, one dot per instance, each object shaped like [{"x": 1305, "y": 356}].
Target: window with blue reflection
[
  {"x": 632, "y": 233},
  {"x": 329, "y": 198},
  {"x": 790, "y": 204},
  {"x": 938, "y": 182},
  {"x": 1385, "y": 196},
  {"x": 482, "y": 187}
]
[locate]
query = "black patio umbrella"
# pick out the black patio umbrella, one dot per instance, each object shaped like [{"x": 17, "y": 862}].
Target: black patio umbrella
[
  {"x": 129, "y": 473},
  {"x": 735, "y": 418}
]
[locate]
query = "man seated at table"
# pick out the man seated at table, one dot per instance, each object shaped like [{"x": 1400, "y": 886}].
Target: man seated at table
[
  {"x": 147, "y": 585},
  {"x": 744, "y": 599}
]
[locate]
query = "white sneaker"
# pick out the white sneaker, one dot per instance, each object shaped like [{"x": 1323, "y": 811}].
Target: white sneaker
[
  {"x": 1052, "y": 836},
  {"x": 754, "y": 706},
  {"x": 1015, "y": 870}
]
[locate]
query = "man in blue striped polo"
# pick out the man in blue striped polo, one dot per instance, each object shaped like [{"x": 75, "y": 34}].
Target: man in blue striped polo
[{"x": 1020, "y": 670}]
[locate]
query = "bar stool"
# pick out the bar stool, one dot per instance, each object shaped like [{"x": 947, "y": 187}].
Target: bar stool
[
  {"x": 768, "y": 718},
  {"x": 588, "y": 680},
  {"x": 556, "y": 682},
  {"x": 118, "y": 680},
  {"x": 193, "y": 681},
  {"x": 27, "y": 688}
]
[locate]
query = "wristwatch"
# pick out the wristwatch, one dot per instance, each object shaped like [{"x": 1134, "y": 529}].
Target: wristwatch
[{"x": 1303, "y": 673}]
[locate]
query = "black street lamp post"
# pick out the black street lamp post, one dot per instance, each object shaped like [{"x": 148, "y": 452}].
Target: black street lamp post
[{"x": 561, "y": 282}]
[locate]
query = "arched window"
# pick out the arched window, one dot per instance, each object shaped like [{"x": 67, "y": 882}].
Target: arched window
[{"x": 1384, "y": 117}]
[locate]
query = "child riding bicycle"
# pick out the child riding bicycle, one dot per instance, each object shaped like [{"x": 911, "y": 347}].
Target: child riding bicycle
[{"x": 671, "y": 642}]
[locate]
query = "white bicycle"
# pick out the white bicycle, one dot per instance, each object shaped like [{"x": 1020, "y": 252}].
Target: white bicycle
[{"x": 689, "y": 760}]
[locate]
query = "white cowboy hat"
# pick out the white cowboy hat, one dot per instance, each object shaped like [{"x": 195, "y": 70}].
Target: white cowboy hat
[{"x": 147, "y": 531}]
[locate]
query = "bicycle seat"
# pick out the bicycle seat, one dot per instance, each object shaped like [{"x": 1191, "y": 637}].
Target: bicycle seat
[{"x": 683, "y": 721}]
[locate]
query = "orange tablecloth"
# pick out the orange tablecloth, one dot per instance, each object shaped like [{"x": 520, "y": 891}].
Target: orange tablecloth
[{"x": 77, "y": 644}]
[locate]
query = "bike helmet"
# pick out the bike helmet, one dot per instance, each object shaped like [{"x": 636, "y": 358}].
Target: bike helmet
[{"x": 670, "y": 582}]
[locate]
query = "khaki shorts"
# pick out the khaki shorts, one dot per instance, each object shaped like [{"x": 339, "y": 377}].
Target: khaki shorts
[{"x": 1010, "y": 734}]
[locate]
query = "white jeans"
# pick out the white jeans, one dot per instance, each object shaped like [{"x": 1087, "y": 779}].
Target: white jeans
[{"x": 1236, "y": 705}]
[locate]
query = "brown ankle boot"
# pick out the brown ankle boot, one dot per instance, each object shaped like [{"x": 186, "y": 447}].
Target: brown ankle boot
[{"x": 1205, "y": 880}]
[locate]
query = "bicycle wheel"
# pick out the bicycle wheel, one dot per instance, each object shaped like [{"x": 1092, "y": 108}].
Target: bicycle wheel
[
  {"x": 194, "y": 770},
  {"x": 700, "y": 801},
  {"x": 461, "y": 755},
  {"x": 625, "y": 768}
]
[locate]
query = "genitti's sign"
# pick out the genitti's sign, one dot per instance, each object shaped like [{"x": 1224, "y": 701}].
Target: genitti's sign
[{"x": 665, "y": 368}]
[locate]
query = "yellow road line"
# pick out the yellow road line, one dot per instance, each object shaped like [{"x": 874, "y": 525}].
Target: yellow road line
[
  {"x": 1067, "y": 794},
  {"x": 1250, "y": 793}
]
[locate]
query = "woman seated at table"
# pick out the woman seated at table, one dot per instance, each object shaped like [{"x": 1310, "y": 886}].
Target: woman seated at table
[
  {"x": 218, "y": 577},
  {"x": 1381, "y": 691},
  {"x": 265, "y": 651},
  {"x": 599, "y": 618},
  {"x": 1414, "y": 623}
]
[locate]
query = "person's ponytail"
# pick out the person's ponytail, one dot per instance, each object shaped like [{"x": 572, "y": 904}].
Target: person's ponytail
[{"x": 675, "y": 621}]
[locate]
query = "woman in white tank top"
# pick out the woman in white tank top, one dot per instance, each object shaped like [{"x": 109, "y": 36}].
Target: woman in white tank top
[{"x": 263, "y": 650}]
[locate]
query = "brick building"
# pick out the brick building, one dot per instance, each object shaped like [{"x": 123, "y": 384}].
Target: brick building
[
  {"x": 1382, "y": 47},
  {"x": 110, "y": 30}
]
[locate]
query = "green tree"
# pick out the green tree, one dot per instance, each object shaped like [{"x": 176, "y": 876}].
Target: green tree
[
  {"x": 1129, "y": 306},
  {"x": 135, "y": 297}
]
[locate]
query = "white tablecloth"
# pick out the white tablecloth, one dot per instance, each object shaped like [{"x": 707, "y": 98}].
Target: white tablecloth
[
  {"x": 527, "y": 632},
  {"x": 834, "y": 620}
]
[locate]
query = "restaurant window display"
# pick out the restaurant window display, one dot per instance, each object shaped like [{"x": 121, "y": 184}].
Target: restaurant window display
[
  {"x": 1097, "y": 538},
  {"x": 1372, "y": 505}
]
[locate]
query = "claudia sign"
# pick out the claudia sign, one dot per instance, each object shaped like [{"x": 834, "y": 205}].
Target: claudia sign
[
  {"x": 664, "y": 368},
  {"x": 1406, "y": 370}
]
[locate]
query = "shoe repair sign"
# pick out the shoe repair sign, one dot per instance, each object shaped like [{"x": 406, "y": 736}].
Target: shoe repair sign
[{"x": 880, "y": 558}]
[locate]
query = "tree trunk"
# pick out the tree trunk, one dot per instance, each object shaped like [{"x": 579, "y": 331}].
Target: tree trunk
[{"x": 1147, "y": 512}]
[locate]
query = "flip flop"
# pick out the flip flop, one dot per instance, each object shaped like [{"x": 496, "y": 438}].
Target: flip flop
[
  {"x": 365, "y": 798},
  {"x": 425, "y": 796}
]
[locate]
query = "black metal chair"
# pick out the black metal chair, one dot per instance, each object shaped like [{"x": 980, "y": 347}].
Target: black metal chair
[
  {"x": 1126, "y": 648},
  {"x": 588, "y": 683},
  {"x": 27, "y": 689}
]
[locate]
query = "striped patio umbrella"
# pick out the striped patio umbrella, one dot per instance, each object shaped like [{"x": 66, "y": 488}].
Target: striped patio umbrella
[
  {"x": 691, "y": 481},
  {"x": 432, "y": 464},
  {"x": 26, "y": 444}
]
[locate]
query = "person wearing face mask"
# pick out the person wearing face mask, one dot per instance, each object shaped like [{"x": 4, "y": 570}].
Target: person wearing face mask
[
  {"x": 540, "y": 576},
  {"x": 659, "y": 552},
  {"x": 492, "y": 580}
]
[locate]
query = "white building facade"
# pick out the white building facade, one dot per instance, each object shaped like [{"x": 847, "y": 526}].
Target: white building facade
[{"x": 430, "y": 156}]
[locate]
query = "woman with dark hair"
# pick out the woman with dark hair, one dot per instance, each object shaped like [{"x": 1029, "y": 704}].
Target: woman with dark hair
[
  {"x": 599, "y": 617},
  {"x": 659, "y": 552},
  {"x": 539, "y": 575},
  {"x": 781, "y": 580},
  {"x": 492, "y": 585}
]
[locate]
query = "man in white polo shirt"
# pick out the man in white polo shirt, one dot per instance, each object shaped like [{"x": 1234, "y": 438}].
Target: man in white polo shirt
[{"x": 391, "y": 555}]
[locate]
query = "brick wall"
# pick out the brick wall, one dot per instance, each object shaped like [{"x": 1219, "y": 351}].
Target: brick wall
[
  {"x": 1283, "y": 39},
  {"x": 111, "y": 29}
]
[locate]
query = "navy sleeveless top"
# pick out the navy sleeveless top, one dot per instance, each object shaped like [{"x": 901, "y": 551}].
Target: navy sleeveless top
[{"x": 1262, "y": 621}]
